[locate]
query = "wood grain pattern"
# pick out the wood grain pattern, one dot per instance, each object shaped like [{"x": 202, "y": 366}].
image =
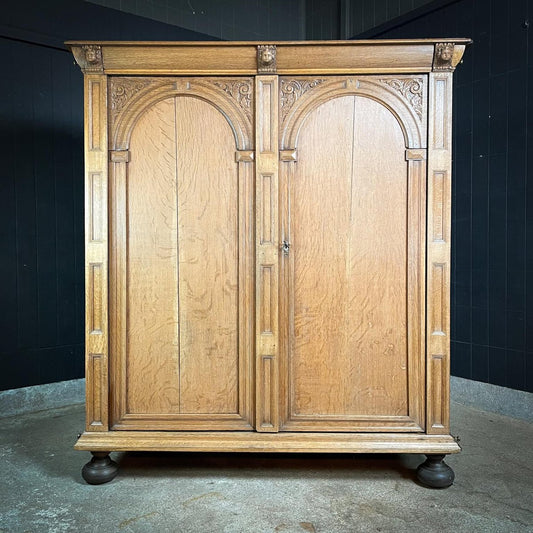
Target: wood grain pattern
[
  {"x": 97, "y": 206},
  {"x": 275, "y": 263},
  {"x": 95, "y": 304},
  {"x": 97, "y": 406},
  {"x": 437, "y": 370},
  {"x": 438, "y": 252},
  {"x": 186, "y": 362},
  {"x": 152, "y": 265},
  {"x": 404, "y": 96},
  {"x": 350, "y": 270},
  {"x": 96, "y": 109},
  {"x": 283, "y": 442},
  {"x": 240, "y": 58},
  {"x": 267, "y": 254},
  {"x": 208, "y": 259},
  {"x": 416, "y": 287},
  {"x": 96, "y": 253},
  {"x": 440, "y": 202}
]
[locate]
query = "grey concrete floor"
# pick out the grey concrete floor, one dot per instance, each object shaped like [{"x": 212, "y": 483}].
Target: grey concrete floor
[{"x": 41, "y": 489}]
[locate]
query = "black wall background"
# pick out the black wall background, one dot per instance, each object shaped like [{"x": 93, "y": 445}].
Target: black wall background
[
  {"x": 492, "y": 247},
  {"x": 41, "y": 181}
]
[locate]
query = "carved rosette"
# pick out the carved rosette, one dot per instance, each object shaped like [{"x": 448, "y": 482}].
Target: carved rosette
[
  {"x": 411, "y": 90},
  {"x": 266, "y": 59},
  {"x": 291, "y": 90},
  {"x": 122, "y": 91},
  {"x": 241, "y": 91},
  {"x": 442, "y": 60}
]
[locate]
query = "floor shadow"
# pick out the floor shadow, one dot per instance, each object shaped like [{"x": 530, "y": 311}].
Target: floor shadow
[{"x": 261, "y": 465}]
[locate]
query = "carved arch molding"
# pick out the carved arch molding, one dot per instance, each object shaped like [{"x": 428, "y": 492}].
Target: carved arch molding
[
  {"x": 404, "y": 96},
  {"x": 131, "y": 97}
]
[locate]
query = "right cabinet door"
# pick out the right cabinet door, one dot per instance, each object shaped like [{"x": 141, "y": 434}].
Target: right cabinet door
[{"x": 352, "y": 285}]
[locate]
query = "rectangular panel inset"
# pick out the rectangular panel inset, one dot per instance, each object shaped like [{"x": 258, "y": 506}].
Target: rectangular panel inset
[
  {"x": 119, "y": 156},
  {"x": 288, "y": 155},
  {"x": 415, "y": 155},
  {"x": 94, "y": 116},
  {"x": 268, "y": 397},
  {"x": 267, "y": 221},
  {"x": 267, "y": 300},
  {"x": 439, "y": 206},
  {"x": 96, "y": 207},
  {"x": 244, "y": 156},
  {"x": 440, "y": 102},
  {"x": 438, "y": 313},
  {"x": 95, "y": 384},
  {"x": 94, "y": 298},
  {"x": 437, "y": 389},
  {"x": 266, "y": 122}
]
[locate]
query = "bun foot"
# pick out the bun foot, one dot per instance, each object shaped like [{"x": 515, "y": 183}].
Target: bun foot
[
  {"x": 435, "y": 473},
  {"x": 100, "y": 469}
]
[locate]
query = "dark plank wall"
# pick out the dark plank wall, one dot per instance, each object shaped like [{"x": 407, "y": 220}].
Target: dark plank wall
[
  {"x": 492, "y": 250},
  {"x": 41, "y": 182}
]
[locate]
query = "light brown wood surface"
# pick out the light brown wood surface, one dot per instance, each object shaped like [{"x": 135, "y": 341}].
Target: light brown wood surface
[
  {"x": 263, "y": 272},
  {"x": 348, "y": 269},
  {"x": 239, "y": 58},
  {"x": 283, "y": 442},
  {"x": 182, "y": 344}
]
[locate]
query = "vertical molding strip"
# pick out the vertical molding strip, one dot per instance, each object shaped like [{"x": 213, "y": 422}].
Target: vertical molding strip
[
  {"x": 246, "y": 287},
  {"x": 438, "y": 253},
  {"x": 267, "y": 255},
  {"x": 416, "y": 223},
  {"x": 96, "y": 253},
  {"x": 118, "y": 273}
]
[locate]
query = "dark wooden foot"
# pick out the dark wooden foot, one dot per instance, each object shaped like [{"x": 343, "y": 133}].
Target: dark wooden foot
[
  {"x": 435, "y": 473},
  {"x": 100, "y": 469}
]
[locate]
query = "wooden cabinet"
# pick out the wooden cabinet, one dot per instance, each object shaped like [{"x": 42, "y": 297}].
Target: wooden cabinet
[{"x": 268, "y": 248}]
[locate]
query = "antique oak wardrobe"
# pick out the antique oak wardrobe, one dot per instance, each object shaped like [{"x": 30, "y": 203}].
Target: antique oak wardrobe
[{"x": 268, "y": 248}]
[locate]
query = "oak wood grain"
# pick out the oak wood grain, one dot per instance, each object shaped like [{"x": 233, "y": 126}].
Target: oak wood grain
[
  {"x": 349, "y": 238},
  {"x": 187, "y": 359},
  {"x": 153, "y": 348},
  {"x": 283, "y": 442},
  {"x": 96, "y": 253},
  {"x": 208, "y": 259},
  {"x": 277, "y": 269}
]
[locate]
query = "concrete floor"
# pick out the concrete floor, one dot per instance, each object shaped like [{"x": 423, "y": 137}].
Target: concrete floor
[{"x": 41, "y": 489}]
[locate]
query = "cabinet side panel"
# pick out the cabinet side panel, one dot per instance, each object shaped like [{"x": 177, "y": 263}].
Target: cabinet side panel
[
  {"x": 152, "y": 265},
  {"x": 208, "y": 232},
  {"x": 438, "y": 252},
  {"x": 96, "y": 288}
]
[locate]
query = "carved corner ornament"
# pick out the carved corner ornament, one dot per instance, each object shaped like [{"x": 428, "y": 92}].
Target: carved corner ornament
[
  {"x": 122, "y": 91},
  {"x": 411, "y": 90},
  {"x": 266, "y": 59},
  {"x": 241, "y": 91},
  {"x": 442, "y": 60},
  {"x": 89, "y": 58},
  {"x": 293, "y": 89}
]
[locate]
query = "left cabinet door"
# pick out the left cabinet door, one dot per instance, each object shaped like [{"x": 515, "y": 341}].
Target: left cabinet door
[{"x": 180, "y": 260}]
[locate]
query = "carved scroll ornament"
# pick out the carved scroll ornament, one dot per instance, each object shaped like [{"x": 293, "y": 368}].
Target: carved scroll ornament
[
  {"x": 291, "y": 90},
  {"x": 122, "y": 90},
  {"x": 411, "y": 89},
  {"x": 241, "y": 91}
]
